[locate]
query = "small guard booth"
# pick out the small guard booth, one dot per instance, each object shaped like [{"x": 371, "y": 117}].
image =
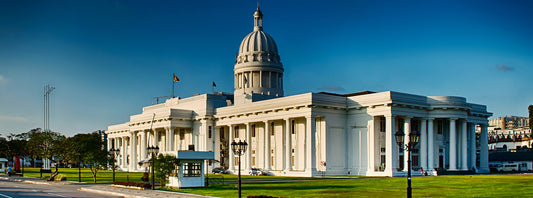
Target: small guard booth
[
  {"x": 3, "y": 164},
  {"x": 191, "y": 169}
]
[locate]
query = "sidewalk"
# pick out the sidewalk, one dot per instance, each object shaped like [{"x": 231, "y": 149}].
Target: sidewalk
[
  {"x": 125, "y": 192},
  {"x": 105, "y": 188}
]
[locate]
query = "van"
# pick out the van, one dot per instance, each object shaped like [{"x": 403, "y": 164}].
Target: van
[{"x": 507, "y": 168}]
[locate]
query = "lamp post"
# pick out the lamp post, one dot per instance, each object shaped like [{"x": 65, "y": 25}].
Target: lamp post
[
  {"x": 239, "y": 148},
  {"x": 113, "y": 152},
  {"x": 413, "y": 140},
  {"x": 153, "y": 150}
]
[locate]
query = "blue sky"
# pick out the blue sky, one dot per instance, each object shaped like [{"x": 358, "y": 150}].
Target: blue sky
[{"x": 108, "y": 58}]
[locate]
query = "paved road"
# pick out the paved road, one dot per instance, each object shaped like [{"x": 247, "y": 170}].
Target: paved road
[{"x": 12, "y": 189}]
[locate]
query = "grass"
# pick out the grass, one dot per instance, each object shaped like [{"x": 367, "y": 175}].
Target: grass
[
  {"x": 509, "y": 185},
  {"x": 442, "y": 186},
  {"x": 103, "y": 176}
]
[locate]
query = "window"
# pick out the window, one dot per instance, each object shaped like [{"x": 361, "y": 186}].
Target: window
[
  {"x": 210, "y": 131},
  {"x": 192, "y": 169},
  {"x": 440, "y": 126},
  {"x": 383, "y": 149},
  {"x": 272, "y": 160},
  {"x": 415, "y": 125},
  {"x": 382, "y": 124},
  {"x": 253, "y": 130},
  {"x": 221, "y": 132},
  {"x": 236, "y": 132},
  {"x": 253, "y": 160},
  {"x": 236, "y": 161},
  {"x": 292, "y": 160},
  {"x": 292, "y": 151},
  {"x": 182, "y": 134},
  {"x": 292, "y": 127},
  {"x": 272, "y": 129}
]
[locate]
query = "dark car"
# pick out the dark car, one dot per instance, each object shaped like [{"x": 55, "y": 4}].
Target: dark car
[{"x": 219, "y": 170}]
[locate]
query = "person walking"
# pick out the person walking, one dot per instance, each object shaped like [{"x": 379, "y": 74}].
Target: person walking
[{"x": 9, "y": 171}]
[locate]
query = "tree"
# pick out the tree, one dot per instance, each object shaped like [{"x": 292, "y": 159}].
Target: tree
[
  {"x": 45, "y": 144},
  {"x": 165, "y": 165},
  {"x": 530, "y": 109},
  {"x": 89, "y": 148}
]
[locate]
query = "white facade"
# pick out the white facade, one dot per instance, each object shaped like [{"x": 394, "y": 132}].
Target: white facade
[{"x": 308, "y": 134}]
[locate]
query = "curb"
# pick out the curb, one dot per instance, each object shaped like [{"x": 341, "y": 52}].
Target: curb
[{"x": 109, "y": 193}]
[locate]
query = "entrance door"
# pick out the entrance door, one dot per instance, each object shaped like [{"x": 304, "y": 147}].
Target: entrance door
[{"x": 441, "y": 161}]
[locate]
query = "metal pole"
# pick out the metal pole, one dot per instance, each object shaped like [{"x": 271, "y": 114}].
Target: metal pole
[
  {"x": 239, "y": 174},
  {"x": 79, "y": 172},
  {"x": 153, "y": 171},
  {"x": 409, "y": 170},
  {"x": 113, "y": 167}
]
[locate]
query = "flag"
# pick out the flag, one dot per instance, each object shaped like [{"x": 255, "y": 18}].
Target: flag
[
  {"x": 176, "y": 78},
  {"x": 214, "y": 85}
]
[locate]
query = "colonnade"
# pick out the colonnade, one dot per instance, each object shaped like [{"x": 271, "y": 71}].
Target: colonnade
[
  {"x": 268, "y": 153},
  {"x": 133, "y": 145},
  {"x": 461, "y": 153}
]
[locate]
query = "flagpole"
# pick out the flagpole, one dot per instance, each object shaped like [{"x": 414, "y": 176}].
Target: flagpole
[{"x": 173, "y": 85}]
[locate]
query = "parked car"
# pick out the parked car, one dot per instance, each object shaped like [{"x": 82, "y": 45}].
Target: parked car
[
  {"x": 219, "y": 170},
  {"x": 257, "y": 171},
  {"x": 507, "y": 168}
]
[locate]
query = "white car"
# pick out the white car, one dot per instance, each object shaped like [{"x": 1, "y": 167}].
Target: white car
[{"x": 507, "y": 168}]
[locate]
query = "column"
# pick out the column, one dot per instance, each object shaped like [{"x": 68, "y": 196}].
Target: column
[
  {"x": 143, "y": 145},
  {"x": 453, "y": 145},
  {"x": 431, "y": 147},
  {"x": 310, "y": 145},
  {"x": 464, "y": 148},
  {"x": 171, "y": 139},
  {"x": 231, "y": 154},
  {"x": 391, "y": 150},
  {"x": 167, "y": 135},
  {"x": 423, "y": 145},
  {"x": 406, "y": 140},
  {"x": 123, "y": 152},
  {"x": 133, "y": 147},
  {"x": 267, "y": 146},
  {"x": 249, "y": 148},
  {"x": 156, "y": 139},
  {"x": 109, "y": 143},
  {"x": 287, "y": 141},
  {"x": 473, "y": 146},
  {"x": 483, "y": 150}
]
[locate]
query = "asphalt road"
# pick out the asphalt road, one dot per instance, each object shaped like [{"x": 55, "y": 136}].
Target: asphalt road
[{"x": 12, "y": 189}]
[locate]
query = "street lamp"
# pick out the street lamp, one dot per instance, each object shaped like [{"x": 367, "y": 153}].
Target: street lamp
[
  {"x": 413, "y": 140},
  {"x": 113, "y": 152},
  {"x": 153, "y": 150},
  {"x": 239, "y": 148}
]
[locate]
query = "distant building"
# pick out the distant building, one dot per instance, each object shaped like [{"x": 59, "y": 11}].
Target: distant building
[
  {"x": 510, "y": 139},
  {"x": 309, "y": 134},
  {"x": 509, "y": 122}
]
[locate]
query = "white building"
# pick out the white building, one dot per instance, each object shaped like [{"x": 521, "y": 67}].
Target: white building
[{"x": 303, "y": 135}]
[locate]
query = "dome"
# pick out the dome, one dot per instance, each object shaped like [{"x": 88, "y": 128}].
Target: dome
[{"x": 258, "y": 46}]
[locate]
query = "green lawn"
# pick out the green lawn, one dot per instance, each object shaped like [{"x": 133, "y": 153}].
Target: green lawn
[
  {"x": 103, "y": 176},
  {"x": 520, "y": 185},
  {"x": 442, "y": 186}
]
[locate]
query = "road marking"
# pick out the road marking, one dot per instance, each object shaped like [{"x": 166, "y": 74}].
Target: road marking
[
  {"x": 57, "y": 195},
  {"x": 5, "y": 195}
]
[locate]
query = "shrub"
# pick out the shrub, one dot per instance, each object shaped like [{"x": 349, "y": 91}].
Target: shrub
[{"x": 61, "y": 177}]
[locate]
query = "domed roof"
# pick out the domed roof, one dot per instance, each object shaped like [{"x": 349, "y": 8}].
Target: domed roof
[
  {"x": 258, "y": 41},
  {"x": 258, "y": 46}
]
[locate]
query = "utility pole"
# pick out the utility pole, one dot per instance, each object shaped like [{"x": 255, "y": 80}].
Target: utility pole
[
  {"x": 46, "y": 128},
  {"x": 47, "y": 91}
]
